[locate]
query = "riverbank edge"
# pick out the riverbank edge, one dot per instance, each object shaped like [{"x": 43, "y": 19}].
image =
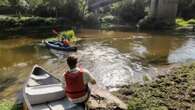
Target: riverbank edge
[
  {"x": 172, "y": 91},
  {"x": 11, "y": 26},
  {"x": 46, "y": 29},
  {"x": 6, "y": 104}
]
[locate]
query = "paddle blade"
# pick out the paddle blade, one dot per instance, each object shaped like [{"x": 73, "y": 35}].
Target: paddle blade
[{"x": 55, "y": 32}]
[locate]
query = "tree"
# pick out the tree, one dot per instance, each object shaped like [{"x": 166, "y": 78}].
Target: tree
[
  {"x": 72, "y": 10},
  {"x": 83, "y": 5},
  {"x": 34, "y": 3},
  {"x": 186, "y": 8},
  {"x": 4, "y": 2},
  {"x": 14, "y": 2},
  {"x": 130, "y": 11}
]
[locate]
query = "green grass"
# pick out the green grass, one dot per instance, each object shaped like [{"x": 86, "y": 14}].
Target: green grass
[
  {"x": 173, "y": 91},
  {"x": 8, "y": 105},
  {"x": 184, "y": 23}
]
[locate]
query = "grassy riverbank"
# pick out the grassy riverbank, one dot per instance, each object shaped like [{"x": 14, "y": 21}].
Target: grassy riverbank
[
  {"x": 173, "y": 91},
  {"x": 185, "y": 23},
  {"x": 8, "y": 105},
  {"x": 12, "y": 23}
]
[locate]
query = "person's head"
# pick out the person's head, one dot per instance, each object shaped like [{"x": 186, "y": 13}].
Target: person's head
[{"x": 72, "y": 61}]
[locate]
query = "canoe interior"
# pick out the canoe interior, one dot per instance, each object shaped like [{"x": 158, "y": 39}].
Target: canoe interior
[
  {"x": 63, "y": 103},
  {"x": 39, "y": 71},
  {"x": 60, "y": 104}
]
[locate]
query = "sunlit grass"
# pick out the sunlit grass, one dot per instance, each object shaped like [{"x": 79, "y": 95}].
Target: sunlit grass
[
  {"x": 172, "y": 91},
  {"x": 8, "y": 105},
  {"x": 185, "y": 23}
]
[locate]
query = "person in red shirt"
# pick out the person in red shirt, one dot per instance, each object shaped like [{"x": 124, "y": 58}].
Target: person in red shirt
[
  {"x": 66, "y": 43},
  {"x": 76, "y": 82}
]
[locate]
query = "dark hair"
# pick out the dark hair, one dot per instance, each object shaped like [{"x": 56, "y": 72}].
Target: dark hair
[{"x": 72, "y": 61}]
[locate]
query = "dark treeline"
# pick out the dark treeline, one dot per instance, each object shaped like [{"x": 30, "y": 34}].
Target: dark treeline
[
  {"x": 78, "y": 12},
  {"x": 186, "y": 9},
  {"x": 29, "y": 13},
  {"x": 42, "y": 8},
  {"x": 134, "y": 10}
]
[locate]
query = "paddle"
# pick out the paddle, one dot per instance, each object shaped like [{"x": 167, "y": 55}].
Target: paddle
[{"x": 57, "y": 33}]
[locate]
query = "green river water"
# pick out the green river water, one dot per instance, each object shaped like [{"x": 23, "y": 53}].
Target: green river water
[{"x": 114, "y": 58}]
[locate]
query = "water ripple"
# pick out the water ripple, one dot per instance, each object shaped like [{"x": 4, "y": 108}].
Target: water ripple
[
  {"x": 107, "y": 64},
  {"x": 183, "y": 54}
]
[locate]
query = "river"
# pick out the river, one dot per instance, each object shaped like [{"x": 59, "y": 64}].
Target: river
[{"x": 114, "y": 58}]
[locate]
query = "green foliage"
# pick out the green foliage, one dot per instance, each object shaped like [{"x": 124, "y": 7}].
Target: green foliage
[
  {"x": 184, "y": 23},
  {"x": 146, "y": 78},
  {"x": 94, "y": 21},
  {"x": 130, "y": 11},
  {"x": 4, "y": 2},
  {"x": 83, "y": 7},
  {"x": 191, "y": 21},
  {"x": 155, "y": 24},
  {"x": 70, "y": 34},
  {"x": 72, "y": 11},
  {"x": 11, "y": 22},
  {"x": 33, "y": 4},
  {"x": 171, "y": 91},
  {"x": 14, "y": 2},
  {"x": 186, "y": 9},
  {"x": 8, "y": 105},
  {"x": 108, "y": 19},
  {"x": 181, "y": 22}
]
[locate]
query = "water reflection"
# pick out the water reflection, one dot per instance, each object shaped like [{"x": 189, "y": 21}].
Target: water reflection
[
  {"x": 183, "y": 54},
  {"x": 18, "y": 53},
  {"x": 107, "y": 64},
  {"x": 114, "y": 58}
]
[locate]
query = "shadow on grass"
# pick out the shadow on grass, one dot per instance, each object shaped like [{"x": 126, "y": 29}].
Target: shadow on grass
[{"x": 17, "y": 106}]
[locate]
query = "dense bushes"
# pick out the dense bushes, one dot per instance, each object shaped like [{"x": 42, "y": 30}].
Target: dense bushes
[
  {"x": 43, "y": 13},
  {"x": 186, "y": 9},
  {"x": 76, "y": 11},
  {"x": 130, "y": 11},
  {"x": 69, "y": 9},
  {"x": 26, "y": 21},
  {"x": 7, "y": 23},
  {"x": 185, "y": 23}
]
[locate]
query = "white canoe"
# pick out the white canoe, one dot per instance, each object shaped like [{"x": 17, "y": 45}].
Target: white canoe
[{"x": 43, "y": 91}]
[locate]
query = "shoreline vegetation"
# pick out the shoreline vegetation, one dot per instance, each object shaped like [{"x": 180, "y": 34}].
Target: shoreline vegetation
[
  {"x": 29, "y": 25},
  {"x": 10, "y": 25},
  {"x": 9, "y": 105},
  {"x": 185, "y": 25},
  {"x": 174, "y": 90},
  {"x": 171, "y": 91},
  {"x": 21, "y": 16}
]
